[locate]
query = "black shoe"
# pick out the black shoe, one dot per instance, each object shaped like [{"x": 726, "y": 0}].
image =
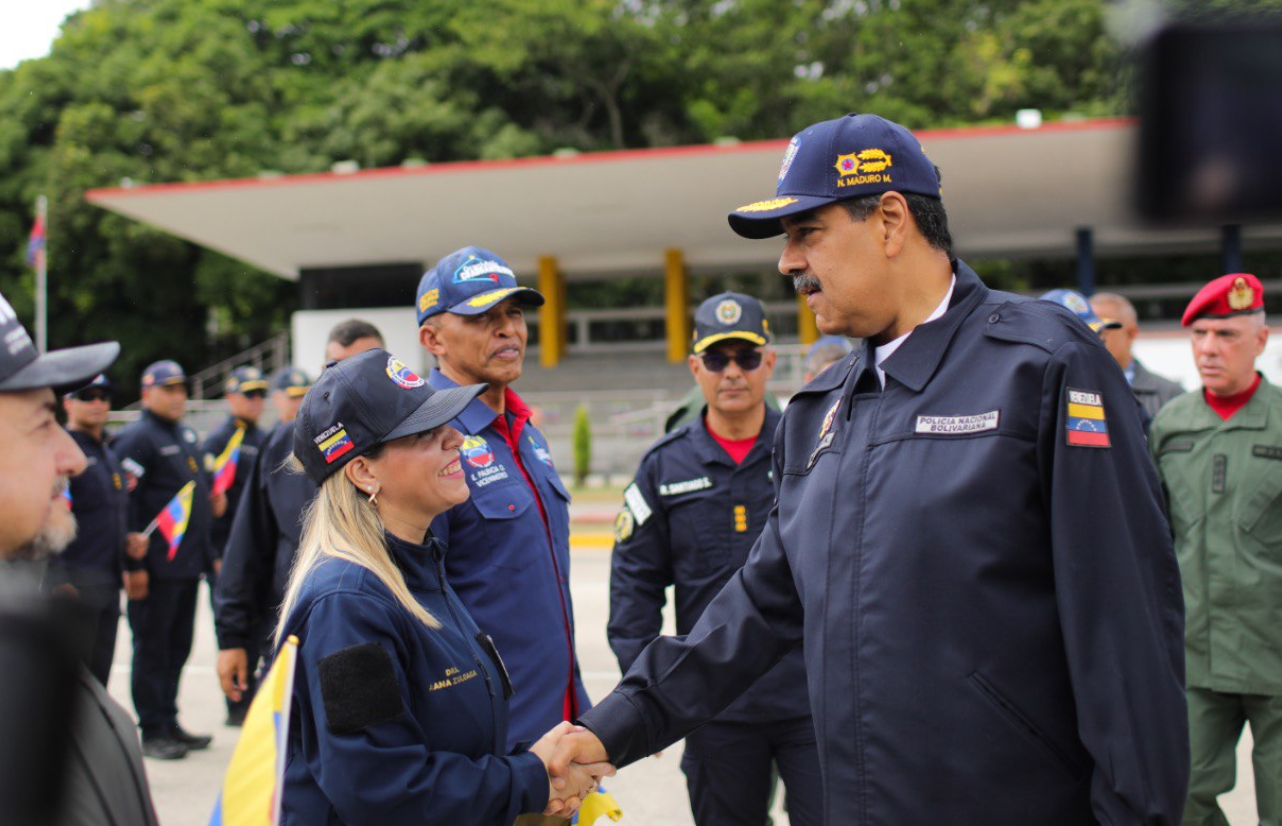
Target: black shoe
[
  {"x": 236, "y": 717},
  {"x": 163, "y": 748},
  {"x": 192, "y": 742}
]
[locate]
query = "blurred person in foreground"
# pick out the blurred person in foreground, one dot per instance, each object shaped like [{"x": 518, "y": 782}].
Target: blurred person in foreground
[
  {"x": 91, "y": 569},
  {"x": 1219, "y": 455},
  {"x": 982, "y": 575},
  {"x": 69, "y": 753},
  {"x": 266, "y": 531},
  {"x": 509, "y": 543},
  {"x": 691, "y": 515},
  {"x": 162, "y": 452},
  {"x": 1152, "y": 390},
  {"x": 825, "y": 352},
  {"x": 400, "y": 700}
]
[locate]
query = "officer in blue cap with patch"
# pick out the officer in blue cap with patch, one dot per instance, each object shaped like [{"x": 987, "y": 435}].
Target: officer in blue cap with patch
[
  {"x": 400, "y": 702},
  {"x": 696, "y": 507},
  {"x": 289, "y": 385},
  {"x": 163, "y": 453},
  {"x": 509, "y": 543},
  {"x": 230, "y": 464},
  {"x": 968, "y": 538},
  {"x": 91, "y": 568}
]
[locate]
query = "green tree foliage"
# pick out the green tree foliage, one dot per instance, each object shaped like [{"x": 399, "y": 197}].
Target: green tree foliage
[{"x": 188, "y": 90}]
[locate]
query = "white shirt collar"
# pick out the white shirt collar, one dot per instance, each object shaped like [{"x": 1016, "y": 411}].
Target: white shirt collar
[{"x": 886, "y": 350}]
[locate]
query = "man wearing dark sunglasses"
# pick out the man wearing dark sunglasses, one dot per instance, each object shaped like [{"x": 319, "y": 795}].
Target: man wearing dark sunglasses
[
  {"x": 246, "y": 394},
  {"x": 697, "y": 505},
  {"x": 91, "y": 568}
]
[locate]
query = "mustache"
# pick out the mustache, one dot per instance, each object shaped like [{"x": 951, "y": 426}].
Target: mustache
[{"x": 805, "y": 282}]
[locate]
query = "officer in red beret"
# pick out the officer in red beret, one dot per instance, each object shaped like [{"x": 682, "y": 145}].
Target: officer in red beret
[{"x": 1219, "y": 455}]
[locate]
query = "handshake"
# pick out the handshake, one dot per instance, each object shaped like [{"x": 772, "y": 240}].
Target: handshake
[{"x": 575, "y": 761}]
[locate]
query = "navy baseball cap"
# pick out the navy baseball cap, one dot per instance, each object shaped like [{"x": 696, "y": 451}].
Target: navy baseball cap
[
  {"x": 730, "y": 316},
  {"x": 23, "y": 367},
  {"x": 837, "y": 160},
  {"x": 366, "y": 400},
  {"x": 100, "y": 382},
  {"x": 1080, "y": 307},
  {"x": 291, "y": 381},
  {"x": 244, "y": 379},
  {"x": 469, "y": 282},
  {"x": 161, "y": 373}
]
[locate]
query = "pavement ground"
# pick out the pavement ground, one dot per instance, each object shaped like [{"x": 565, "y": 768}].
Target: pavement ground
[{"x": 652, "y": 791}]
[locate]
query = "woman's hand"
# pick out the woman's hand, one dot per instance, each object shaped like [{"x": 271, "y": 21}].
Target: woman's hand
[{"x": 575, "y": 781}]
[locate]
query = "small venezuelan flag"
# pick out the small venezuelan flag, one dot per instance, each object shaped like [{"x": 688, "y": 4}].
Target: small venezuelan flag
[
  {"x": 1085, "y": 423},
  {"x": 225, "y": 464},
  {"x": 36, "y": 243},
  {"x": 595, "y": 805},
  {"x": 251, "y": 792},
  {"x": 172, "y": 521},
  {"x": 336, "y": 445}
]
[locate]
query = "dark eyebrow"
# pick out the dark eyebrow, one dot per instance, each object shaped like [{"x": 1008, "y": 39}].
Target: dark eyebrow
[{"x": 800, "y": 218}]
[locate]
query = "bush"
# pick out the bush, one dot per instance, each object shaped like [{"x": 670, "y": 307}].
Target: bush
[{"x": 582, "y": 445}]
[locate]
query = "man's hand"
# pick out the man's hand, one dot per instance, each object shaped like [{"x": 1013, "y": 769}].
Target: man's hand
[
  {"x": 136, "y": 545},
  {"x": 136, "y": 585},
  {"x": 218, "y": 567},
  {"x": 576, "y": 780},
  {"x": 219, "y": 504},
  {"x": 233, "y": 673}
]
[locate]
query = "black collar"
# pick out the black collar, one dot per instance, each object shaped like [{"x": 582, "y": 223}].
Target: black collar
[{"x": 917, "y": 359}]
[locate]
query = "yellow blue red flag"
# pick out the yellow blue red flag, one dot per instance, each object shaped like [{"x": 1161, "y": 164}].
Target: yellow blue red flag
[
  {"x": 256, "y": 775},
  {"x": 172, "y": 521},
  {"x": 225, "y": 464}
]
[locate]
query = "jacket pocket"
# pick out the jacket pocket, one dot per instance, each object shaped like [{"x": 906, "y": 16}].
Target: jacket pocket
[
  {"x": 498, "y": 507},
  {"x": 1016, "y": 718},
  {"x": 1260, "y": 513}
]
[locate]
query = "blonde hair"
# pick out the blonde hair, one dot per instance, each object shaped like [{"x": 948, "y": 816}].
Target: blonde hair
[{"x": 340, "y": 522}]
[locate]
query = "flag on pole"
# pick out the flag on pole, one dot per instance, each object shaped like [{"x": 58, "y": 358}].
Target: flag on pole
[
  {"x": 36, "y": 243},
  {"x": 596, "y": 805},
  {"x": 255, "y": 777},
  {"x": 172, "y": 521},
  {"x": 225, "y": 464}
]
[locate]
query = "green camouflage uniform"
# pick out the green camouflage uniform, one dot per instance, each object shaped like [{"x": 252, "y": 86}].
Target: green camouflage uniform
[{"x": 1223, "y": 485}]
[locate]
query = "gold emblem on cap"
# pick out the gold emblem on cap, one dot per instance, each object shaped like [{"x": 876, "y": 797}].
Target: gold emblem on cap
[
  {"x": 766, "y": 206},
  {"x": 1242, "y": 296},
  {"x": 729, "y": 311},
  {"x": 874, "y": 160}
]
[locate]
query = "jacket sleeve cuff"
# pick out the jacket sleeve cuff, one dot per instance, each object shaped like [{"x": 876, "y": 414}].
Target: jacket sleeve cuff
[
  {"x": 620, "y": 727},
  {"x": 529, "y": 782}
]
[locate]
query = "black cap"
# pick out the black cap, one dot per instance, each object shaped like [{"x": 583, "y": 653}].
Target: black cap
[
  {"x": 730, "y": 315},
  {"x": 100, "y": 382},
  {"x": 22, "y": 367},
  {"x": 366, "y": 400},
  {"x": 244, "y": 379},
  {"x": 291, "y": 381}
]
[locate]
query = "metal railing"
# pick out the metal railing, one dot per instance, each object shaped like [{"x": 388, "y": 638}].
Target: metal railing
[{"x": 268, "y": 356}]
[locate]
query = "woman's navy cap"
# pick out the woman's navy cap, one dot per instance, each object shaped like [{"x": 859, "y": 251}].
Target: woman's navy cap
[
  {"x": 23, "y": 367},
  {"x": 837, "y": 160},
  {"x": 469, "y": 282},
  {"x": 366, "y": 400}
]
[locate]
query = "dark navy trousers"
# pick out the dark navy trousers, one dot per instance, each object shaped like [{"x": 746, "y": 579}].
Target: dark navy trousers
[
  {"x": 162, "y": 625},
  {"x": 728, "y": 772}
]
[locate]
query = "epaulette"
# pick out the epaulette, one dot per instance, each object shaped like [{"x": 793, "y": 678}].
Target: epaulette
[
  {"x": 667, "y": 438},
  {"x": 1043, "y": 324}
]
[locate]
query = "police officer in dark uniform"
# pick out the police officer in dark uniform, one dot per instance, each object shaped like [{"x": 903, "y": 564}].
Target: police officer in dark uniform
[
  {"x": 163, "y": 453},
  {"x": 246, "y": 393},
  {"x": 696, "y": 507},
  {"x": 259, "y": 553},
  {"x": 91, "y": 567},
  {"x": 399, "y": 699},
  {"x": 968, "y": 536}
]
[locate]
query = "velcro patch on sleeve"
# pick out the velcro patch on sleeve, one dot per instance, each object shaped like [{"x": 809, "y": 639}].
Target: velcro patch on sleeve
[
  {"x": 1085, "y": 423},
  {"x": 635, "y": 500},
  {"x": 359, "y": 688}
]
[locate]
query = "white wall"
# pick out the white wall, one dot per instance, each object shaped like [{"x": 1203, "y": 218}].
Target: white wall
[
  {"x": 1169, "y": 353},
  {"x": 399, "y": 326}
]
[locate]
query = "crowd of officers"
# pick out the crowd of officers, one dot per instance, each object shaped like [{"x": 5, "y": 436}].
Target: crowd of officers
[{"x": 740, "y": 516}]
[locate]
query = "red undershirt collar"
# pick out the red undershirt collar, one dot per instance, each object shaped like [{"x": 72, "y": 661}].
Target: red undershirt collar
[{"x": 1226, "y": 406}]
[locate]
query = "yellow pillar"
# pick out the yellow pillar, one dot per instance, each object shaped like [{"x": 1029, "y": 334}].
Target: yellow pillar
[
  {"x": 552, "y": 313},
  {"x": 677, "y": 301},
  {"x": 807, "y": 329}
]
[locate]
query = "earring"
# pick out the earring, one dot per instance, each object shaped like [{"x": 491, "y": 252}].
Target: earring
[{"x": 373, "y": 497}]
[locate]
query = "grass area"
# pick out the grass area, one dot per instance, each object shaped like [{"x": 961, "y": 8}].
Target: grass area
[{"x": 605, "y": 496}]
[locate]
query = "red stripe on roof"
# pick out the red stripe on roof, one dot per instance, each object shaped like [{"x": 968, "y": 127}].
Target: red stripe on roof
[{"x": 456, "y": 167}]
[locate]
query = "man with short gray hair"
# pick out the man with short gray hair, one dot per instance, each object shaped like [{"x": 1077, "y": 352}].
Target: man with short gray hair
[{"x": 1151, "y": 390}]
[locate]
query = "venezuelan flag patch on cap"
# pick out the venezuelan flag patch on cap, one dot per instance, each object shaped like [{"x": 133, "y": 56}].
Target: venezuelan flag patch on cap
[{"x": 1085, "y": 423}]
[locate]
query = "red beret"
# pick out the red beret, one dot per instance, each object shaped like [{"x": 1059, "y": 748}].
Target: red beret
[{"x": 1238, "y": 293}]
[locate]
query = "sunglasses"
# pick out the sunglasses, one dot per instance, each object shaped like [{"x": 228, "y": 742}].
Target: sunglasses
[
  {"x": 93, "y": 396},
  {"x": 716, "y": 361},
  {"x": 255, "y": 394}
]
